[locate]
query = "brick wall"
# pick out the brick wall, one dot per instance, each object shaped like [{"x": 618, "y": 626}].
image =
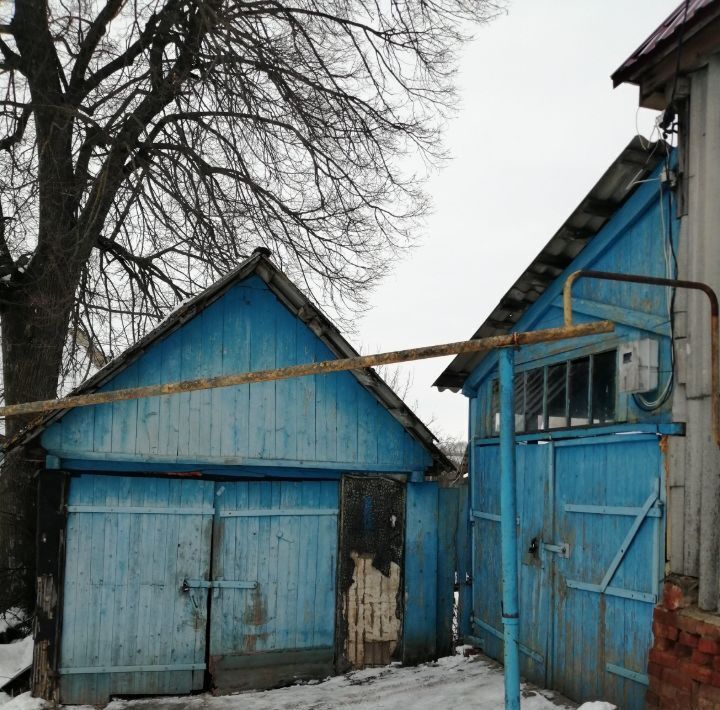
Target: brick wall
[{"x": 684, "y": 662}]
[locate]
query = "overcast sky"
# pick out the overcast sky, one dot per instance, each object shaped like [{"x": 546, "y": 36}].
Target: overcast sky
[{"x": 538, "y": 124}]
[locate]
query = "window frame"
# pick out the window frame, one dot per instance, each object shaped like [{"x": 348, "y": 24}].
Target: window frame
[{"x": 522, "y": 375}]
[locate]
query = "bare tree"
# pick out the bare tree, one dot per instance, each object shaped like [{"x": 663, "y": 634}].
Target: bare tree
[{"x": 147, "y": 147}]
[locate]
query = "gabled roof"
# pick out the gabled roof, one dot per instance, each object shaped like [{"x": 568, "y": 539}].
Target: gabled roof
[
  {"x": 259, "y": 264},
  {"x": 687, "y": 23},
  {"x": 620, "y": 180}
]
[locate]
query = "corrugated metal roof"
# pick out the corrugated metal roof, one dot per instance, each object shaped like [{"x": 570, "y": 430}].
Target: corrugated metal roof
[
  {"x": 301, "y": 306},
  {"x": 663, "y": 36},
  {"x": 635, "y": 163}
]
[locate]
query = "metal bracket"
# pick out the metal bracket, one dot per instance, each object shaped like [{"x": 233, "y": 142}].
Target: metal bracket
[
  {"x": 562, "y": 549},
  {"x": 189, "y": 584}
]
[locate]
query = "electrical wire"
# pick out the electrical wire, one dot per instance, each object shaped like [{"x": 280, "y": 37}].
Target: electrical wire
[{"x": 671, "y": 271}]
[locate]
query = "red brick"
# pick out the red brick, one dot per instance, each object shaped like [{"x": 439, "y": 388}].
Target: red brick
[
  {"x": 681, "y": 651},
  {"x": 715, "y": 662},
  {"x": 652, "y": 700},
  {"x": 687, "y": 639},
  {"x": 677, "y": 679},
  {"x": 664, "y": 631},
  {"x": 702, "y": 674},
  {"x": 710, "y": 631},
  {"x": 683, "y": 700},
  {"x": 656, "y": 684},
  {"x": 663, "y": 644},
  {"x": 663, "y": 658},
  {"x": 709, "y": 694},
  {"x": 709, "y": 646},
  {"x": 700, "y": 658},
  {"x": 655, "y": 671},
  {"x": 668, "y": 618},
  {"x": 678, "y": 597},
  {"x": 667, "y": 691},
  {"x": 687, "y": 623},
  {"x": 715, "y": 680}
]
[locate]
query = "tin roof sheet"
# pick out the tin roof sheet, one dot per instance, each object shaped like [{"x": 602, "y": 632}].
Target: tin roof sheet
[{"x": 664, "y": 36}]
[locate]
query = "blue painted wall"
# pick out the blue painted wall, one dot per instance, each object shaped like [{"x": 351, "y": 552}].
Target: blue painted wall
[
  {"x": 311, "y": 421},
  {"x": 631, "y": 242}
]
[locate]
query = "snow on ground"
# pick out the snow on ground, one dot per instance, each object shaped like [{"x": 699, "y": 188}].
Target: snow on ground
[
  {"x": 14, "y": 657},
  {"x": 452, "y": 682}
]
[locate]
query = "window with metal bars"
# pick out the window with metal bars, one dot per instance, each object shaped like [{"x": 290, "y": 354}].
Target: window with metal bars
[{"x": 574, "y": 393}]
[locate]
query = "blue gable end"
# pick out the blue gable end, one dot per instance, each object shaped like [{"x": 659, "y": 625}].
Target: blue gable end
[
  {"x": 632, "y": 241},
  {"x": 329, "y": 421}
]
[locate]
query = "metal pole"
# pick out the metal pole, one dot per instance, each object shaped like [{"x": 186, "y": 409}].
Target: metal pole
[
  {"x": 508, "y": 532},
  {"x": 671, "y": 283},
  {"x": 314, "y": 368}
]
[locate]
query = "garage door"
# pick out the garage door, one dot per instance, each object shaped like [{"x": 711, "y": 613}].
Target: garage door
[
  {"x": 273, "y": 603},
  {"x": 127, "y": 627},
  {"x": 166, "y": 579}
]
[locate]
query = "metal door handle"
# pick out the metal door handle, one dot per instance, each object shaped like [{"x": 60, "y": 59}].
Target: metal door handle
[{"x": 562, "y": 549}]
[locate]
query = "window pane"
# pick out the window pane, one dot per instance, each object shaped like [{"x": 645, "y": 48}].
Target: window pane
[
  {"x": 556, "y": 404},
  {"x": 534, "y": 386},
  {"x": 520, "y": 401},
  {"x": 579, "y": 399},
  {"x": 603, "y": 387}
]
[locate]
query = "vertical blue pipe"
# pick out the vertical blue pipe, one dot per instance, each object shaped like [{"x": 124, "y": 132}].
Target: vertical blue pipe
[{"x": 508, "y": 531}]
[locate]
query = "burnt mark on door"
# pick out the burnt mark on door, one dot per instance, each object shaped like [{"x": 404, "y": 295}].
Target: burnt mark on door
[{"x": 370, "y": 589}]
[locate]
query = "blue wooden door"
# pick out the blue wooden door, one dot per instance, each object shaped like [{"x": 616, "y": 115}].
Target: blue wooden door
[
  {"x": 273, "y": 601},
  {"x": 608, "y": 496},
  {"x": 590, "y": 552},
  {"x": 128, "y": 627},
  {"x": 486, "y": 578}
]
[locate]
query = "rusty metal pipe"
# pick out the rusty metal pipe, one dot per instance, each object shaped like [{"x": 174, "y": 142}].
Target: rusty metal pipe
[
  {"x": 672, "y": 283},
  {"x": 315, "y": 368}
]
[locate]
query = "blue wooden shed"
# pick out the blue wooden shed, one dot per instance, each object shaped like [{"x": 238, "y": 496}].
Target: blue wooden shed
[
  {"x": 591, "y": 465},
  {"x": 242, "y": 537}
]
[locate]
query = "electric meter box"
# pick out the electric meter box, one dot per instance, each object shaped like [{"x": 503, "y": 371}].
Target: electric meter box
[{"x": 638, "y": 366}]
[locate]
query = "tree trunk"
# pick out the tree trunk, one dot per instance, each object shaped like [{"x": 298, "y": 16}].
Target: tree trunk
[{"x": 33, "y": 337}]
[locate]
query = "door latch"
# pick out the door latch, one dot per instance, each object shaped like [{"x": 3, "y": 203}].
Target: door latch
[{"x": 562, "y": 549}]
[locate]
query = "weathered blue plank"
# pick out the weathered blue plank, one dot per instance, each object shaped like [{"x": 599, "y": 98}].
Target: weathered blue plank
[
  {"x": 421, "y": 566},
  {"x": 147, "y": 439},
  {"x": 286, "y": 391},
  {"x": 123, "y": 604},
  {"x": 447, "y": 567},
  {"x": 299, "y": 422},
  {"x": 292, "y": 559},
  {"x": 347, "y": 417},
  {"x": 465, "y": 570},
  {"x": 263, "y": 306},
  {"x": 169, "y": 417}
]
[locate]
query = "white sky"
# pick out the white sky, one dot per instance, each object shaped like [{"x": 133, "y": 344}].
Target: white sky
[{"x": 539, "y": 123}]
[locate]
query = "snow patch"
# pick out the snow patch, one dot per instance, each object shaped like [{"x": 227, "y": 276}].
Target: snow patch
[
  {"x": 24, "y": 702},
  {"x": 597, "y": 705},
  {"x": 15, "y": 658}
]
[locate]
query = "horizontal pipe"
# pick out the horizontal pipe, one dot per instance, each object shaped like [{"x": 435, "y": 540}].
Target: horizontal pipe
[
  {"x": 670, "y": 283},
  {"x": 314, "y": 368}
]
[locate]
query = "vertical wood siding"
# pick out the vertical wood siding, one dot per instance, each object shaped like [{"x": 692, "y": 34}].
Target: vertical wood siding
[
  {"x": 123, "y": 603},
  {"x": 329, "y": 418}
]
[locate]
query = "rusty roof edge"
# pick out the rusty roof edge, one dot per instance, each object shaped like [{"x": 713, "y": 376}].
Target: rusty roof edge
[
  {"x": 301, "y": 306},
  {"x": 454, "y": 375},
  {"x": 639, "y": 60}
]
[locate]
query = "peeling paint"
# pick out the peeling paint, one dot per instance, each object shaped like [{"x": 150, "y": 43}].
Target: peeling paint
[{"x": 370, "y": 606}]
